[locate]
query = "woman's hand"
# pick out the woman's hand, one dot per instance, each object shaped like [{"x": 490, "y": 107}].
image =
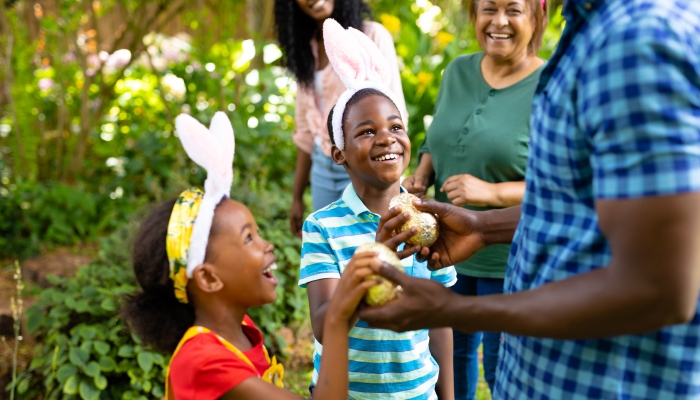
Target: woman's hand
[
  {"x": 390, "y": 221},
  {"x": 466, "y": 189},
  {"x": 296, "y": 217},
  {"x": 417, "y": 185},
  {"x": 351, "y": 289}
]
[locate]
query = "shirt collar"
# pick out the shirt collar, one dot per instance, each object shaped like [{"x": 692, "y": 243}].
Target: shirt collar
[{"x": 354, "y": 202}]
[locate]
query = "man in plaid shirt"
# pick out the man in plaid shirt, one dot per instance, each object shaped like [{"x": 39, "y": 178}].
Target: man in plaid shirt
[{"x": 604, "y": 271}]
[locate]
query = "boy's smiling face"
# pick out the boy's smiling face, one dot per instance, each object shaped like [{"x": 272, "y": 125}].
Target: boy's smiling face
[{"x": 377, "y": 149}]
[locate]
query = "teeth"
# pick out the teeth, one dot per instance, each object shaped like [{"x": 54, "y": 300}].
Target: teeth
[
  {"x": 500, "y": 36},
  {"x": 387, "y": 157},
  {"x": 318, "y": 4},
  {"x": 271, "y": 267}
]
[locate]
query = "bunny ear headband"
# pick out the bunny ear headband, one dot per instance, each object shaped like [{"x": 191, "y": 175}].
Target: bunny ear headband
[
  {"x": 192, "y": 215},
  {"x": 360, "y": 65}
]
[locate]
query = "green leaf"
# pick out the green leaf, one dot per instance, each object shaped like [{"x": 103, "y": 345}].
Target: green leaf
[
  {"x": 102, "y": 347},
  {"x": 108, "y": 305},
  {"x": 107, "y": 364},
  {"x": 70, "y": 303},
  {"x": 157, "y": 391},
  {"x": 100, "y": 382},
  {"x": 145, "y": 361},
  {"x": 92, "y": 369},
  {"x": 34, "y": 319},
  {"x": 126, "y": 351},
  {"x": 88, "y": 332},
  {"x": 147, "y": 386},
  {"x": 65, "y": 371},
  {"x": 71, "y": 385},
  {"x": 23, "y": 386},
  {"x": 78, "y": 356},
  {"x": 88, "y": 391}
]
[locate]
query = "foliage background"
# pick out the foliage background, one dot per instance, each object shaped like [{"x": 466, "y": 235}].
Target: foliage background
[{"x": 87, "y": 146}]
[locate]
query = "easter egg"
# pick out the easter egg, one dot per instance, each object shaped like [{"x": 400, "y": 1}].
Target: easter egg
[
  {"x": 425, "y": 222},
  {"x": 384, "y": 291}
]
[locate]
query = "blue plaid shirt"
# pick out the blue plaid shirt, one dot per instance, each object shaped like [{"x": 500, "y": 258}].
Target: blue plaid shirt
[{"x": 616, "y": 116}]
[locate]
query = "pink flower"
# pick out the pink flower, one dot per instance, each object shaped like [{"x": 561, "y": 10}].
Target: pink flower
[
  {"x": 119, "y": 59},
  {"x": 46, "y": 83}
]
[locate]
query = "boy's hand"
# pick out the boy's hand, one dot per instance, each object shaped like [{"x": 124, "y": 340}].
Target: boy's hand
[
  {"x": 352, "y": 288},
  {"x": 390, "y": 221}
]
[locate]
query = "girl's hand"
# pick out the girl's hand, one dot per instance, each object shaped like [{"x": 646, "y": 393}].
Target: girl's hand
[
  {"x": 390, "y": 221},
  {"x": 468, "y": 190},
  {"x": 416, "y": 184},
  {"x": 352, "y": 288}
]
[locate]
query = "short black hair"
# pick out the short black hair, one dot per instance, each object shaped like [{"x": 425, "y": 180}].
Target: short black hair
[
  {"x": 356, "y": 98},
  {"x": 295, "y": 30},
  {"x": 155, "y": 315}
]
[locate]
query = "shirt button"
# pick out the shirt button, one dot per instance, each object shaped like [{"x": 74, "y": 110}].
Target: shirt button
[
  {"x": 465, "y": 131},
  {"x": 492, "y": 92},
  {"x": 478, "y": 111},
  {"x": 588, "y": 6}
]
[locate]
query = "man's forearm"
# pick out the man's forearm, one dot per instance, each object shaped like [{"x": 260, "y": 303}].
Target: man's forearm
[
  {"x": 596, "y": 304},
  {"x": 498, "y": 226}
]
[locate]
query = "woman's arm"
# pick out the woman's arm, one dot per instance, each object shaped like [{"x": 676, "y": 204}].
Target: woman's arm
[
  {"x": 441, "y": 348},
  {"x": 467, "y": 189},
  {"x": 301, "y": 181}
]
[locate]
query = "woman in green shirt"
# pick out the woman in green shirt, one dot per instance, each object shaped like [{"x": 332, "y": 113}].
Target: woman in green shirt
[{"x": 476, "y": 149}]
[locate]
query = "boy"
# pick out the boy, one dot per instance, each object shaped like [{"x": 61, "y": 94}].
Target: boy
[{"x": 376, "y": 151}]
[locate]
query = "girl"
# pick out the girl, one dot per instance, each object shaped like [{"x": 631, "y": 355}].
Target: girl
[
  {"x": 299, "y": 29},
  {"x": 202, "y": 265}
]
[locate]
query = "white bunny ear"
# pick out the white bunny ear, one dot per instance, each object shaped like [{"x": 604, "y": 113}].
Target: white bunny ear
[
  {"x": 379, "y": 70},
  {"x": 199, "y": 144},
  {"x": 343, "y": 54},
  {"x": 223, "y": 131}
]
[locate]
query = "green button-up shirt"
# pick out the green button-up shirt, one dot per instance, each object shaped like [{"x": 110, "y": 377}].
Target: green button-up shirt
[{"x": 483, "y": 132}]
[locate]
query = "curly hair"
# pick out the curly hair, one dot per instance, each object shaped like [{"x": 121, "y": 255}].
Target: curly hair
[
  {"x": 295, "y": 30},
  {"x": 360, "y": 95},
  {"x": 154, "y": 314}
]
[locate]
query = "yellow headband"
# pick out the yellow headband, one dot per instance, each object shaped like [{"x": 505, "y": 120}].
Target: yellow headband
[{"x": 177, "y": 242}]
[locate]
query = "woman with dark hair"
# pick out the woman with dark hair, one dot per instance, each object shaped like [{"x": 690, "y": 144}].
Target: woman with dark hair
[
  {"x": 299, "y": 30},
  {"x": 476, "y": 150}
]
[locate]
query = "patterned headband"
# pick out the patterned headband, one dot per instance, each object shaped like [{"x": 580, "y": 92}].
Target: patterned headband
[
  {"x": 193, "y": 213},
  {"x": 360, "y": 65}
]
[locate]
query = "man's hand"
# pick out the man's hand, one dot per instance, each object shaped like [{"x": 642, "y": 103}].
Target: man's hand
[
  {"x": 459, "y": 237},
  {"x": 421, "y": 305}
]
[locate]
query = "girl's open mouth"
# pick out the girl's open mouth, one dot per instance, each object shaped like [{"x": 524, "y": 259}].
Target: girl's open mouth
[{"x": 267, "y": 273}]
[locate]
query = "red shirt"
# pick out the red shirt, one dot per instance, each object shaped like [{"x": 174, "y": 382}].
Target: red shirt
[{"x": 204, "y": 368}]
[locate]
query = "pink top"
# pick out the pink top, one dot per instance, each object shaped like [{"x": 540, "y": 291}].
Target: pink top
[{"x": 310, "y": 120}]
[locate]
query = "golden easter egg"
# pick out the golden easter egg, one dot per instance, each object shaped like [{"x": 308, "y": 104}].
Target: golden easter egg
[
  {"x": 385, "y": 291},
  {"x": 426, "y": 223}
]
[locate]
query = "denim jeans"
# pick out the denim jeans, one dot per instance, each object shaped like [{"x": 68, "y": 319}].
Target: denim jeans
[
  {"x": 466, "y": 346},
  {"x": 328, "y": 181}
]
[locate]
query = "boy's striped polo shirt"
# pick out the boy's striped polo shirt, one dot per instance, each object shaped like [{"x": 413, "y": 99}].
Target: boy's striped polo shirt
[{"x": 383, "y": 364}]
